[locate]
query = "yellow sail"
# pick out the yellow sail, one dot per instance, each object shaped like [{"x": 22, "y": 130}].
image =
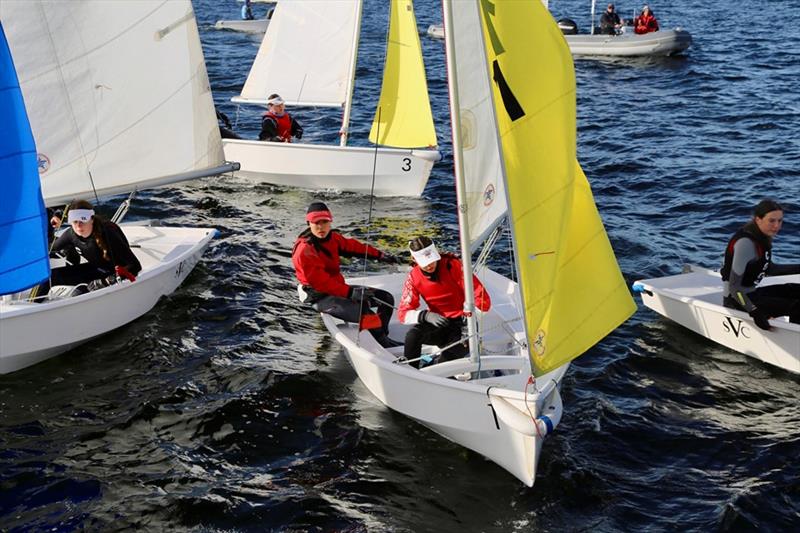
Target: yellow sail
[
  {"x": 404, "y": 108},
  {"x": 573, "y": 291}
]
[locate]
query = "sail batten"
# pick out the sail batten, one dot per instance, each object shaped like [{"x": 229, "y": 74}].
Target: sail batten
[
  {"x": 122, "y": 80},
  {"x": 405, "y": 119},
  {"x": 572, "y": 290}
]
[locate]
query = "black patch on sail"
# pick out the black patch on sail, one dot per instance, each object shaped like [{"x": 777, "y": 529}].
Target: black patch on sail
[{"x": 510, "y": 101}]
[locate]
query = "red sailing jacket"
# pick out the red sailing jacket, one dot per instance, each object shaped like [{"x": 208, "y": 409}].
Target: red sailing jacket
[
  {"x": 445, "y": 295},
  {"x": 284, "y": 125},
  {"x": 316, "y": 262},
  {"x": 645, "y": 24}
]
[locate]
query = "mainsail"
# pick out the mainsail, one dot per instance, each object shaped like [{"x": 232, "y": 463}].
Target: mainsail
[
  {"x": 121, "y": 80},
  {"x": 404, "y": 117},
  {"x": 307, "y": 55},
  {"x": 573, "y": 291},
  {"x": 24, "y": 261}
]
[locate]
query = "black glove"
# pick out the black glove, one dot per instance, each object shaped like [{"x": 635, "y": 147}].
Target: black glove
[
  {"x": 760, "y": 318},
  {"x": 359, "y": 293},
  {"x": 390, "y": 259},
  {"x": 102, "y": 283},
  {"x": 434, "y": 319}
]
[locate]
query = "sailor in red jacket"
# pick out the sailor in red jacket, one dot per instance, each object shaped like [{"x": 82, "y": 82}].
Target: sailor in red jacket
[
  {"x": 315, "y": 257},
  {"x": 277, "y": 125},
  {"x": 645, "y": 22},
  {"x": 439, "y": 280}
]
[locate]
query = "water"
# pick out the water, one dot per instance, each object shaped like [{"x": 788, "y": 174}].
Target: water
[{"x": 228, "y": 407}]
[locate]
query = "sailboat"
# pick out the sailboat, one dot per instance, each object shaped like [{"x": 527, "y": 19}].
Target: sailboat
[
  {"x": 693, "y": 299},
  {"x": 308, "y": 56},
  {"x": 512, "y": 100},
  {"x": 118, "y": 100}
]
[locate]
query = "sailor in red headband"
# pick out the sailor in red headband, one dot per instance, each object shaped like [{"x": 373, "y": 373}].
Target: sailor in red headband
[{"x": 315, "y": 257}]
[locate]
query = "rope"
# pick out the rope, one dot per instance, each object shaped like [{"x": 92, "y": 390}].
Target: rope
[{"x": 369, "y": 221}]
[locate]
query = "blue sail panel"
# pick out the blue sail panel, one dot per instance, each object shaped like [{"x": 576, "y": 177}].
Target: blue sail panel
[{"x": 24, "y": 259}]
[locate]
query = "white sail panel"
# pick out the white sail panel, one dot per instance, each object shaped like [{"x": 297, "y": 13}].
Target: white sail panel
[
  {"x": 485, "y": 189},
  {"x": 306, "y": 54},
  {"x": 117, "y": 92}
]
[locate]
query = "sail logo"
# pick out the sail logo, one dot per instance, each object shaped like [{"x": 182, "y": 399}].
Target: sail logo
[
  {"x": 539, "y": 344},
  {"x": 43, "y": 162},
  {"x": 488, "y": 195},
  {"x": 738, "y": 329}
]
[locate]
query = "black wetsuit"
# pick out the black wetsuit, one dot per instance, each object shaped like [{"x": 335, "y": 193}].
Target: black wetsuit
[{"x": 96, "y": 266}]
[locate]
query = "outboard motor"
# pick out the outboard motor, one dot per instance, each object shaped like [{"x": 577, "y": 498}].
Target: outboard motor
[{"x": 568, "y": 26}]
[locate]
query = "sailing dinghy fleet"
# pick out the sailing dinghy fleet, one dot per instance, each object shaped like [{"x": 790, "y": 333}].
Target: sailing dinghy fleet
[
  {"x": 101, "y": 129},
  {"x": 315, "y": 67},
  {"x": 80, "y": 127}
]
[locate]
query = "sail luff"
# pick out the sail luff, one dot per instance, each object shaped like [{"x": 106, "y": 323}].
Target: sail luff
[
  {"x": 344, "y": 133},
  {"x": 463, "y": 223},
  {"x": 406, "y": 119}
]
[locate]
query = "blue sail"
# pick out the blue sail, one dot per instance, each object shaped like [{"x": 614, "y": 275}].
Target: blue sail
[{"x": 24, "y": 259}]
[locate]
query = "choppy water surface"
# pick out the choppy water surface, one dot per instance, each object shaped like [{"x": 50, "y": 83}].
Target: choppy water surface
[{"x": 228, "y": 407}]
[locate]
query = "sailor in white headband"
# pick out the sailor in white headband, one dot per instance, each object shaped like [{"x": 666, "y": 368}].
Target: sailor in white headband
[
  {"x": 438, "y": 279},
  {"x": 96, "y": 250},
  {"x": 276, "y": 124}
]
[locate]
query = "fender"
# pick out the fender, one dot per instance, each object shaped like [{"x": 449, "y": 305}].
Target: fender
[{"x": 520, "y": 420}]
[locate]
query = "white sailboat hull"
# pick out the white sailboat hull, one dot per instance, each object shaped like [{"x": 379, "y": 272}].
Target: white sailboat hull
[
  {"x": 245, "y": 26},
  {"x": 694, "y": 300},
  {"x": 33, "y": 332},
  {"x": 659, "y": 43},
  {"x": 398, "y": 172},
  {"x": 490, "y": 415}
]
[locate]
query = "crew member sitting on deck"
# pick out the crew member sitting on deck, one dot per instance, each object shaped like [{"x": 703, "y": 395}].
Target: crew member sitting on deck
[
  {"x": 610, "y": 23},
  {"x": 101, "y": 243},
  {"x": 439, "y": 280},
  {"x": 277, "y": 125},
  {"x": 645, "y": 22},
  {"x": 247, "y": 11},
  {"x": 316, "y": 263},
  {"x": 748, "y": 259}
]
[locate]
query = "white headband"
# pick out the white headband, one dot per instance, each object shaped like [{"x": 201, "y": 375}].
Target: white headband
[
  {"x": 82, "y": 215},
  {"x": 426, "y": 256},
  {"x": 275, "y": 101}
]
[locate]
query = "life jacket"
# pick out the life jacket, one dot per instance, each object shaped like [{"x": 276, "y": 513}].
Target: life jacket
[
  {"x": 757, "y": 269},
  {"x": 283, "y": 124},
  {"x": 645, "y": 24},
  {"x": 443, "y": 291}
]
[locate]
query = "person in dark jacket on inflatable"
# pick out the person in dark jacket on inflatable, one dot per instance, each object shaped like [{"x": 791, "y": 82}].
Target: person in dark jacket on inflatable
[
  {"x": 315, "y": 257},
  {"x": 748, "y": 259},
  {"x": 610, "y": 22},
  {"x": 277, "y": 125},
  {"x": 439, "y": 280}
]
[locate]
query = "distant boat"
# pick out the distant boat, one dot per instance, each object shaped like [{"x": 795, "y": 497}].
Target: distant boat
[
  {"x": 694, "y": 300},
  {"x": 244, "y": 26},
  {"x": 118, "y": 100},
  {"x": 315, "y": 67},
  {"x": 626, "y": 44},
  {"x": 512, "y": 101}
]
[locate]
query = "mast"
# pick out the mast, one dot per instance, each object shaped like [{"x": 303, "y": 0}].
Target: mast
[
  {"x": 348, "y": 103},
  {"x": 593, "y": 2},
  {"x": 463, "y": 227}
]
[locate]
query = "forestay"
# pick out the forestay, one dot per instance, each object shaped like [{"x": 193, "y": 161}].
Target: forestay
[
  {"x": 307, "y": 54},
  {"x": 573, "y": 291},
  {"x": 24, "y": 260},
  {"x": 88, "y": 68},
  {"x": 403, "y": 118}
]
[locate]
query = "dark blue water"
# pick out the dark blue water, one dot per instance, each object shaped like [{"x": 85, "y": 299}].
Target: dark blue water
[{"x": 229, "y": 408}]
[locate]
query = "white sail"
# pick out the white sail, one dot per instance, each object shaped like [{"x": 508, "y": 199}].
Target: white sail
[
  {"x": 307, "y": 54},
  {"x": 108, "y": 85},
  {"x": 485, "y": 193}
]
